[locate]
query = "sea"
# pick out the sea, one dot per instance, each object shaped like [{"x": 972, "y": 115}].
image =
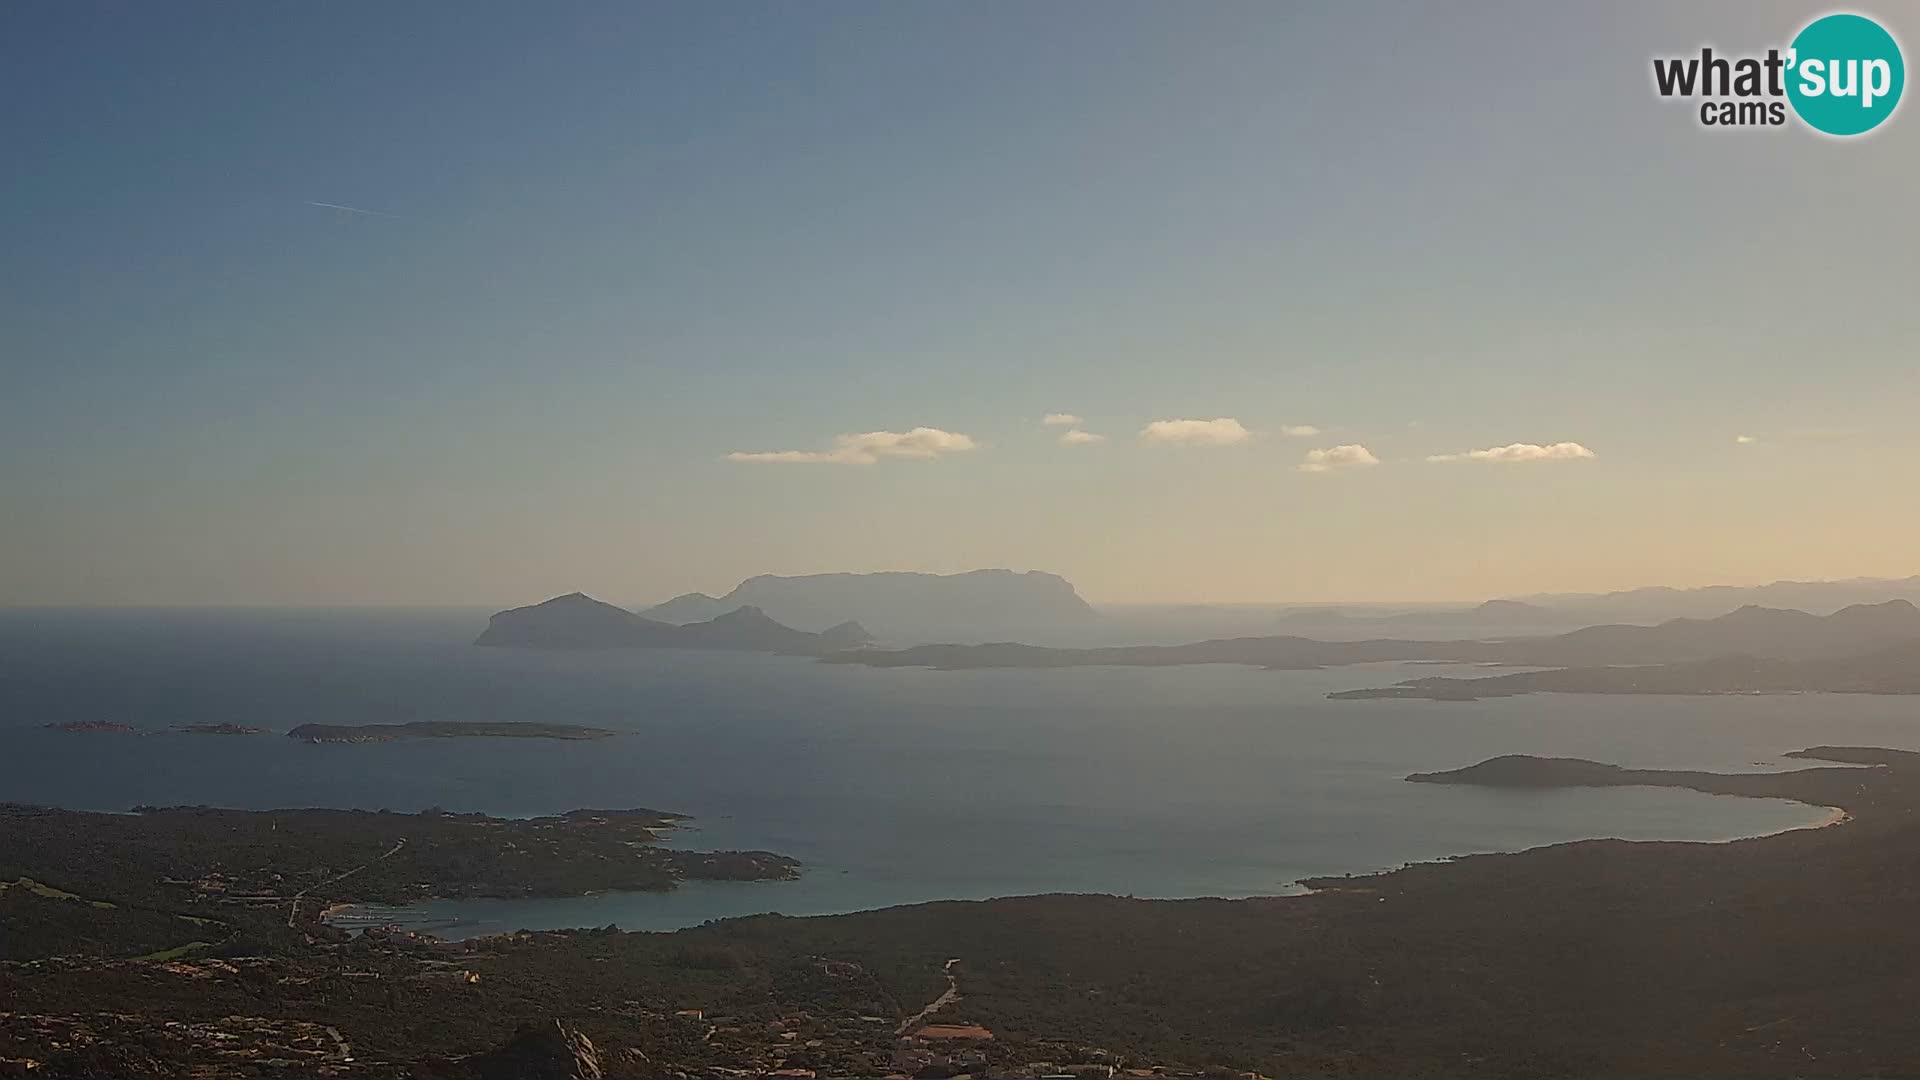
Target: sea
[{"x": 892, "y": 786}]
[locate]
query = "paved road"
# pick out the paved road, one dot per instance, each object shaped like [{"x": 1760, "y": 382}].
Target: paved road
[{"x": 294, "y": 910}]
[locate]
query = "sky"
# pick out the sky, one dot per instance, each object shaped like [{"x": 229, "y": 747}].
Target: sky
[{"x": 641, "y": 299}]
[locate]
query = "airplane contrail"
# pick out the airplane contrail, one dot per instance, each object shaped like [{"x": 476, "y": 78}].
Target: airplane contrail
[{"x": 351, "y": 209}]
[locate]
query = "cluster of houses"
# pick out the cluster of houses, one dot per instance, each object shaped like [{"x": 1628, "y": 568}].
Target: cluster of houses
[{"x": 224, "y": 1047}]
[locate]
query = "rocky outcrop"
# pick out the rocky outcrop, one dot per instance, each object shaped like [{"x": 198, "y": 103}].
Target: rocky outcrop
[{"x": 548, "y": 1050}]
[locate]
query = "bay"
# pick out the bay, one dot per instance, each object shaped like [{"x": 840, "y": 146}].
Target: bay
[{"x": 892, "y": 786}]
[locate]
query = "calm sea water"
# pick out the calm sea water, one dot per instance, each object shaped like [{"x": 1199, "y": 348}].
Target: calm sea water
[{"x": 893, "y": 786}]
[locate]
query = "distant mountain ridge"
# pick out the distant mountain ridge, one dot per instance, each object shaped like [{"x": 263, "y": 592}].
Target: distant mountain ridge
[
  {"x": 901, "y": 606},
  {"x": 1815, "y": 597},
  {"x": 1514, "y": 613},
  {"x": 578, "y": 621},
  {"x": 1775, "y": 633},
  {"x": 1755, "y": 631}
]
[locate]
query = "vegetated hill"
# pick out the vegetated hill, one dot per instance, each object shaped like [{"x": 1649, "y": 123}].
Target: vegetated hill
[
  {"x": 1894, "y": 670},
  {"x": 1787, "y": 957},
  {"x": 1767, "y": 632},
  {"x": 219, "y": 866},
  {"x": 578, "y": 621},
  {"x": 751, "y": 628},
  {"x": 1792, "y": 956},
  {"x": 687, "y": 608},
  {"x": 1286, "y": 652},
  {"x": 1661, "y": 602},
  {"x": 903, "y": 606},
  {"x": 575, "y": 621},
  {"x": 1172, "y": 624},
  {"x": 1763, "y": 632},
  {"x": 1495, "y": 613},
  {"x": 1516, "y": 611}
]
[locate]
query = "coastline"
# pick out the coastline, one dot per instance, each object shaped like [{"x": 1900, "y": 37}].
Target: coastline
[
  {"x": 1539, "y": 931},
  {"x": 651, "y": 911},
  {"x": 1835, "y": 816}
]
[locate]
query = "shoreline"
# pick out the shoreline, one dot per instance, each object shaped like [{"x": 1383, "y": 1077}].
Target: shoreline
[
  {"x": 411, "y": 917},
  {"x": 1615, "y": 934},
  {"x": 1835, "y": 816}
]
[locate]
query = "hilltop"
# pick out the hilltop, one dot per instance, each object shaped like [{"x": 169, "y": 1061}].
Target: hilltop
[
  {"x": 578, "y": 621},
  {"x": 898, "y": 606},
  {"x": 1660, "y": 601},
  {"x": 1761, "y": 632}
]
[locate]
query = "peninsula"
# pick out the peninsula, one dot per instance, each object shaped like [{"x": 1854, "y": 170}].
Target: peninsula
[
  {"x": 1893, "y": 670},
  {"x": 1867, "y": 645},
  {"x": 161, "y": 877}
]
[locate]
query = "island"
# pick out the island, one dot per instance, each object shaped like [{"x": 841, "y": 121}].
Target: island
[
  {"x": 1816, "y": 786},
  {"x": 112, "y": 727},
  {"x": 444, "y": 729},
  {"x": 93, "y": 727},
  {"x": 578, "y": 621}
]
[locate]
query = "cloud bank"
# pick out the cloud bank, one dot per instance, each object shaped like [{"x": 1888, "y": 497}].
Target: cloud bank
[
  {"x": 1060, "y": 419},
  {"x": 1076, "y": 437},
  {"x": 1299, "y": 431},
  {"x": 1223, "y": 431},
  {"x": 1347, "y": 456},
  {"x": 1520, "y": 451},
  {"x": 867, "y": 448}
]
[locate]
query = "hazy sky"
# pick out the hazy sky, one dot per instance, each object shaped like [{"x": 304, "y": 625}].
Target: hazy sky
[{"x": 616, "y": 243}]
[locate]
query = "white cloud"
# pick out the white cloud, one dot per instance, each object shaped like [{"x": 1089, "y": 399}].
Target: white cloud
[
  {"x": 1745, "y": 440},
  {"x": 1299, "y": 431},
  {"x": 1060, "y": 419},
  {"x": 868, "y": 448},
  {"x": 1348, "y": 456},
  {"x": 1076, "y": 437},
  {"x": 1224, "y": 431},
  {"x": 1520, "y": 451}
]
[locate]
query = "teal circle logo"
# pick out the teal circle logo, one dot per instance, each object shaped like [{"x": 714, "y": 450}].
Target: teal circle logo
[{"x": 1845, "y": 74}]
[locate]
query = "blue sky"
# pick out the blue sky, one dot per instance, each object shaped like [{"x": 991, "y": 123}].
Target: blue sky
[{"x": 627, "y": 241}]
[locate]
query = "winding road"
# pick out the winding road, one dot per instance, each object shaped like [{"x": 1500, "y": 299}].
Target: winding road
[
  {"x": 951, "y": 995},
  {"x": 294, "y": 910}
]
